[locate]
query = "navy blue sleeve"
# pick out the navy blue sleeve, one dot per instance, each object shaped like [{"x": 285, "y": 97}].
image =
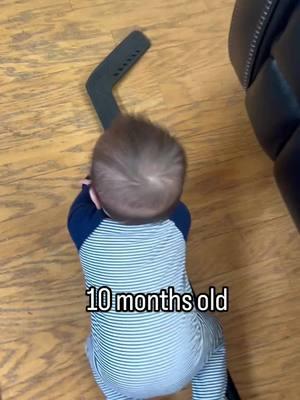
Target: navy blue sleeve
[
  {"x": 83, "y": 217},
  {"x": 181, "y": 217}
]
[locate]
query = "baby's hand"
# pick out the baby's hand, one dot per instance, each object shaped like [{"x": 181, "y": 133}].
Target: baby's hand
[
  {"x": 92, "y": 193},
  {"x": 85, "y": 182},
  {"x": 95, "y": 198}
]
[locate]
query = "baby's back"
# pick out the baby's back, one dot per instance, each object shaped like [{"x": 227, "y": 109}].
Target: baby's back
[{"x": 134, "y": 349}]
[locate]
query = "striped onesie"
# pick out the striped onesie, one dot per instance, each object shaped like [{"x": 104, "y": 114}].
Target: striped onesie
[{"x": 140, "y": 355}]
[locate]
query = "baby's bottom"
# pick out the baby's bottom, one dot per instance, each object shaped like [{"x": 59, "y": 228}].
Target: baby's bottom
[
  {"x": 208, "y": 384},
  {"x": 109, "y": 393}
]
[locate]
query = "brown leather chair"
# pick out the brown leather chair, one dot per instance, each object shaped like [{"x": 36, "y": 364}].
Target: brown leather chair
[{"x": 264, "y": 47}]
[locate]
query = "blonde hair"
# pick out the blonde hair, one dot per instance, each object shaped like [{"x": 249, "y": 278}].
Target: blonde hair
[{"x": 138, "y": 170}]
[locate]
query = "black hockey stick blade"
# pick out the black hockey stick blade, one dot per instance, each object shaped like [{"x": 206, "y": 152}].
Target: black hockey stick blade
[{"x": 102, "y": 80}]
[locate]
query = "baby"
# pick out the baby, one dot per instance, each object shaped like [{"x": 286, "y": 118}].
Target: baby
[{"x": 130, "y": 229}]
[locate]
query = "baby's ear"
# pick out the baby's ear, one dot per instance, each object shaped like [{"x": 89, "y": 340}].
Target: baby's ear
[{"x": 94, "y": 198}]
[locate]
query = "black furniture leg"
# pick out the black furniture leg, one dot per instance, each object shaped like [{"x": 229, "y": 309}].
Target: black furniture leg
[
  {"x": 102, "y": 80},
  {"x": 231, "y": 392}
]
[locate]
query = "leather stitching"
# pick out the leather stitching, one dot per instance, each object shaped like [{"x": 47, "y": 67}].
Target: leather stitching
[{"x": 254, "y": 42}]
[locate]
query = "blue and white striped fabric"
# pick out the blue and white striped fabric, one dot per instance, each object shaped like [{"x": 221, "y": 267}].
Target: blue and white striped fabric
[{"x": 139, "y": 355}]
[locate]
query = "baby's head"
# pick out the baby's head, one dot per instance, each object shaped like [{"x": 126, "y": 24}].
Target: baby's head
[{"x": 138, "y": 171}]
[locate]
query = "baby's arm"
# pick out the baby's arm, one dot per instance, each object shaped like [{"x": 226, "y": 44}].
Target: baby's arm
[
  {"x": 181, "y": 217},
  {"x": 83, "y": 216}
]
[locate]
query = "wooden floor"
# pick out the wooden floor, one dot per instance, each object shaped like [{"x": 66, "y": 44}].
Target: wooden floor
[{"x": 242, "y": 235}]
